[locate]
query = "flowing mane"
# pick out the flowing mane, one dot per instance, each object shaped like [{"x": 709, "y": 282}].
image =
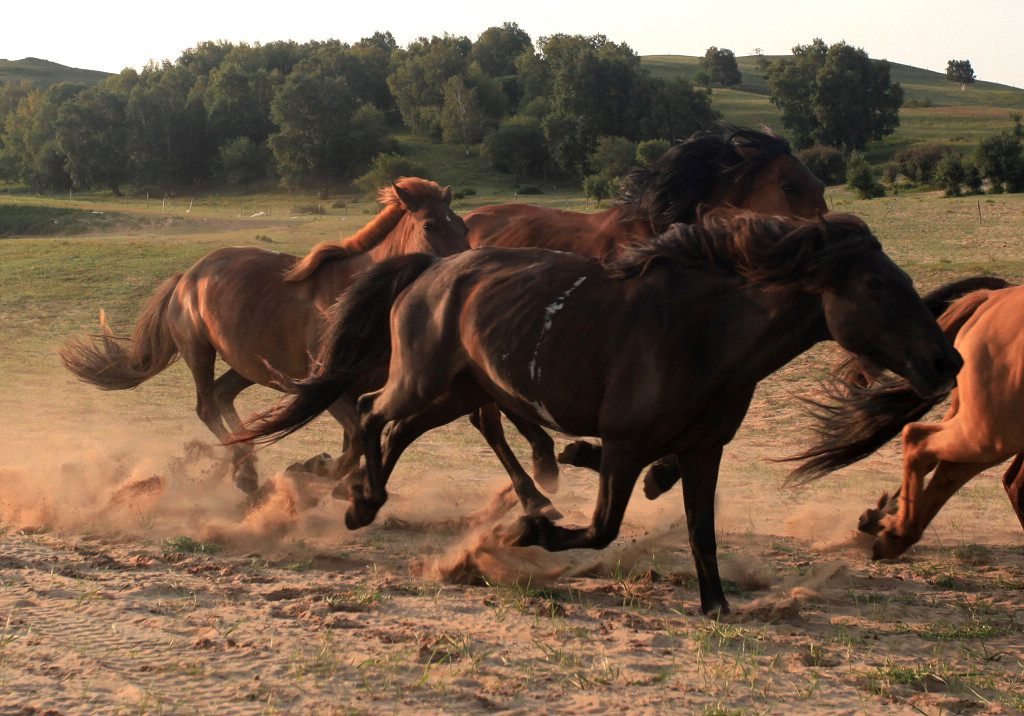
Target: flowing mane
[
  {"x": 758, "y": 248},
  {"x": 373, "y": 233},
  {"x": 671, "y": 189}
]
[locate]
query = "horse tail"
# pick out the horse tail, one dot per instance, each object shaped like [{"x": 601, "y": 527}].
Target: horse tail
[
  {"x": 113, "y": 362},
  {"x": 356, "y": 341},
  {"x": 856, "y": 419}
]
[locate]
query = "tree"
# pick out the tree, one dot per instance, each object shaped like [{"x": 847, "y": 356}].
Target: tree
[
  {"x": 834, "y": 95},
  {"x": 462, "y": 122},
  {"x": 721, "y": 67},
  {"x": 1000, "y": 159},
  {"x": 651, "y": 150},
  {"x": 497, "y": 48},
  {"x": 417, "y": 81},
  {"x": 242, "y": 161},
  {"x": 613, "y": 156},
  {"x": 91, "y": 131},
  {"x": 312, "y": 111},
  {"x": 386, "y": 168},
  {"x": 961, "y": 72}
]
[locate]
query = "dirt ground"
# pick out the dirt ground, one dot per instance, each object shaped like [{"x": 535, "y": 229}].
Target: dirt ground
[{"x": 133, "y": 579}]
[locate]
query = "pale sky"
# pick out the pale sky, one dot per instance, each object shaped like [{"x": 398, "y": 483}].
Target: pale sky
[{"x": 110, "y": 36}]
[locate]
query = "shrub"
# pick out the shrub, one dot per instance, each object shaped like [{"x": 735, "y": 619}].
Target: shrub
[
  {"x": 918, "y": 162},
  {"x": 826, "y": 163},
  {"x": 861, "y": 179},
  {"x": 652, "y": 150},
  {"x": 529, "y": 189},
  {"x": 950, "y": 174}
]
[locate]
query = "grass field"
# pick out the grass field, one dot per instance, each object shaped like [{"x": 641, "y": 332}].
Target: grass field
[{"x": 177, "y": 599}]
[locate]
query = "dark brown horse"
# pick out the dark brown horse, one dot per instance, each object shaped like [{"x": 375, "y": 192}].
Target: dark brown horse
[
  {"x": 658, "y": 355},
  {"x": 745, "y": 168},
  {"x": 981, "y": 429},
  {"x": 261, "y": 311}
]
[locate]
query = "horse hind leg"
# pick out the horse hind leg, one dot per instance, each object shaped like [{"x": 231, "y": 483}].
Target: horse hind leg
[
  {"x": 488, "y": 421},
  {"x": 1013, "y": 483},
  {"x": 243, "y": 457},
  {"x": 209, "y": 407},
  {"x": 545, "y": 467},
  {"x": 903, "y": 530}
]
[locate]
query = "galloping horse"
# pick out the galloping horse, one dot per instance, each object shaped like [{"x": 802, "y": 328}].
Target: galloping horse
[
  {"x": 261, "y": 311},
  {"x": 746, "y": 169},
  {"x": 981, "y": 429},
  {"x": 658, "y": 354}
]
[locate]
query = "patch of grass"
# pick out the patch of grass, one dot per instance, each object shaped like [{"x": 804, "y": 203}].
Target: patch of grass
[{"x": 179, "y": 545}]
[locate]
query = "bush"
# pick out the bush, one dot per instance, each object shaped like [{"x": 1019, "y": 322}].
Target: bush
[
  {"x": 529, "y": 189},
  {"x": 826, "y": 163},
  {"x": 918, "y": 162},
  {"x": 600, "y": 186},
  {"x": 861, "y": 179},
  {"x": 950, "y": 174}
]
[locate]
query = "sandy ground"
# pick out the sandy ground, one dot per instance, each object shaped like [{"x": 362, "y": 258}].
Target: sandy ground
[{"x": 113, "y": 600}]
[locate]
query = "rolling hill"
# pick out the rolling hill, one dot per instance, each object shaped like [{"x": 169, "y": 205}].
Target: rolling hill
[{"x": 45, "y": 73}]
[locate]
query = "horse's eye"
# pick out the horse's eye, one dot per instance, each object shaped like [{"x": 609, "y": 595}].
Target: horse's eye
[
  {"x": 873, "y": 283},
  {"x": 788, "y": 189},
  {"x": 429, "y": 227}
]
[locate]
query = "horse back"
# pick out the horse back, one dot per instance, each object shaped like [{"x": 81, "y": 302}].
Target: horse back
[
  {"x": 237, "y": 301},
  {"x": 526, "y": 226}
]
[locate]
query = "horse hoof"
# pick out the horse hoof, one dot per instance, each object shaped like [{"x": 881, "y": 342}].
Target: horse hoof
[
  {"x": 660, "y": 478},
  {"x": 527, "y": 531},
  {"x": 716, "y": 610},
  {"x": 889, "y": 546},
  {"x": 580, "y": 453},
  {"x": 870, "y": 522},
  {"x": 359, "y": 514}
]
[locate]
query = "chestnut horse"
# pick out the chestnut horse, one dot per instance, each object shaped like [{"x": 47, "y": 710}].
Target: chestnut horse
[
  {"x": 658, "y": 354},
  {"x": 746, "y": 169},
  {"x": 261, "y": 312},
  {"x": 981, "y": 429}
]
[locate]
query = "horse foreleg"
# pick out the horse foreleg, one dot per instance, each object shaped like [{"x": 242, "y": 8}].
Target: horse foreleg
[
  {"x": 700, "y": 481},
  {"x": 620, "y": 467},
  {"x": 488, "y": 421},
  {"x": 1013, "y": 482}
]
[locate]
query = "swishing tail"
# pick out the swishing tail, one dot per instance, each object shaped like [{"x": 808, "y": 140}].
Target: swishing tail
[
  {"x": 116, "y": 363},
  {"x": 861, "y": 412},
  {"x": 357, "y": 340}
]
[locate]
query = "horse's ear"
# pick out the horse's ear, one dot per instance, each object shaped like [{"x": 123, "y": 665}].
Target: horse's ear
[
  {"x": 446, "y": 195},
  {"x": 407, "y": 198}
]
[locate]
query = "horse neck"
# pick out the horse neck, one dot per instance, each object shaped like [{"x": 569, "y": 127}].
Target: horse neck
[
  {"x": 402, "y": 239},
  {"x": 768, "y": 326}
]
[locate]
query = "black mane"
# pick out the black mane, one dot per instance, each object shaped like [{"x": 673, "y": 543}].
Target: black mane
[
  {"x": 759, "y": 248},
  {"x": 670, "y": 190}
]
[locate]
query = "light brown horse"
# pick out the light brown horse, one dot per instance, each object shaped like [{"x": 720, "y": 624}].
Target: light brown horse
[
  {"x": 746, "y": 168},
  {"x": 982, "y": 428},
  {"x": 261, "y": 311},
  {"x": 659, "y": 354}
]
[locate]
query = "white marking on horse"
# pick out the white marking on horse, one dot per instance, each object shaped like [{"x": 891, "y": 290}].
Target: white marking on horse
[{"x": 549, "y": 314}]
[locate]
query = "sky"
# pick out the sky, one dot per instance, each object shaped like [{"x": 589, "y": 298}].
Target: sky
[{"x": 110, "y": 36}]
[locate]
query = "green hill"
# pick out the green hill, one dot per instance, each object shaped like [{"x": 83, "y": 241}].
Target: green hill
[
  {"x": 935, "y": 109},
  {"x": 45, "y": 73}
]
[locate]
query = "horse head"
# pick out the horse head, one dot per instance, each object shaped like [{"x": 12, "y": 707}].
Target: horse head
[
  {"x": 871, "y": 307},
  {"x": 428, "y": 225}
]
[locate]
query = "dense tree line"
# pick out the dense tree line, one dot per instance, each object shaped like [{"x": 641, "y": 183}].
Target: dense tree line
[{"x": 315, "y": 115}]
